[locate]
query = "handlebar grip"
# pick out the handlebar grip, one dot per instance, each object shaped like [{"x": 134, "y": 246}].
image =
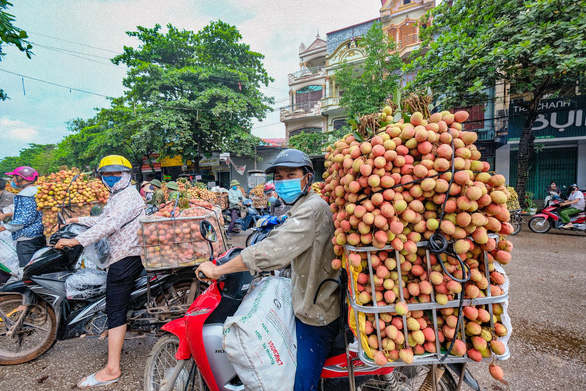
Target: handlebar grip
[
  {"x": 201, "y": 275},
  {"x": 66, "y": 249}
]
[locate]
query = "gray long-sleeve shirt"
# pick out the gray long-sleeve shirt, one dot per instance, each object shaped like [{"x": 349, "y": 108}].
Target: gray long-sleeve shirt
[{"x": 305, "y": 242}]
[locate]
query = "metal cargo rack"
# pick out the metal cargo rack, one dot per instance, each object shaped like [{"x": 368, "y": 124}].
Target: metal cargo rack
[
  {"x": 152, "y": 265},
  {"x": 432, "y": 306}
]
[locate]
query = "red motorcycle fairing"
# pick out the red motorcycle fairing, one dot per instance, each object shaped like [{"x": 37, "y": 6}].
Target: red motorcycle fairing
[
  {"x": 337, "y": 367},
  {"x": 540, "y": 215},
  {"x": 177, "y": 327},
  {"x": 194, "y": 320}
]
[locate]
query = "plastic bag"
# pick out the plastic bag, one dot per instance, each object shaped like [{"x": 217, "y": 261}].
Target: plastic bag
[
  {"x": 97, "y": 254},
  {"x": 85, "y": 284},
  {"x": 8, "y": 255},
  {"x": 260, "y": 338}
]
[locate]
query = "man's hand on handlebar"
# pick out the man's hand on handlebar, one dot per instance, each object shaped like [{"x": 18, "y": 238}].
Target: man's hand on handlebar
[
  {"x": 71, "y": 220},
  {"x": 62, "y": 243},
  {"x": 209, "y": 270}
]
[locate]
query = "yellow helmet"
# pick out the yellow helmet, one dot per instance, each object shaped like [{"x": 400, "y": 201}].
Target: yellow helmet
[{"x": 114, "y": 163}]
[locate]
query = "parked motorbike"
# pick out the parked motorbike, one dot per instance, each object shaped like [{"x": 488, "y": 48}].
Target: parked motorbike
[
  {"x": 36, "y": 311},
  {"x": 262, "y": 229},
  {"x": 550, "y": 217},
  {"x": 191, "y": 356},
  {"x": 516, "y": 221}
]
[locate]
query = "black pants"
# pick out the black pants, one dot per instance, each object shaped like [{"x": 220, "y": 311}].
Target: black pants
[
  {"x": 25, "y": 249},
  {"x": 119, "y": 286}
]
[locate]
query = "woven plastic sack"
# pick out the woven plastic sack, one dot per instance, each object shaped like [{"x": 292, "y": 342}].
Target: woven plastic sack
[
  {"x": 8, "y": 256},
  {"x": 85, "y": 284},
  {"x": 260, "y": 338}
]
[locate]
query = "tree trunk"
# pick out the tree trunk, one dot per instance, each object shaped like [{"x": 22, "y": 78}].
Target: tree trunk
[{"x": 526, "y": 149}]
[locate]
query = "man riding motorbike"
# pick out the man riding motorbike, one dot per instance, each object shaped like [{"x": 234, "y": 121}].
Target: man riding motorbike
[
  {"x": 119, "y": 223},
  {"x": 576, "y": 198},
  {"x": 304, "y": 241}
]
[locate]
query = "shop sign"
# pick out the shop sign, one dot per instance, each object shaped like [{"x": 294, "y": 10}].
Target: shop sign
[
  {"x": 209, "y": 162},
  {"x": 557, "y": 118},
  {"x": 172, "y": 162}
]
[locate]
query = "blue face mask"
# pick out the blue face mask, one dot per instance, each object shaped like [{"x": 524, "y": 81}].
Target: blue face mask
[
  {"x": 272, "y": 199},
  {"x": 14, "y": 185},
  {"x": 234, "y": 187},
  {"x": 110, "y": 181},
  {"x": 289, "y": 190}
]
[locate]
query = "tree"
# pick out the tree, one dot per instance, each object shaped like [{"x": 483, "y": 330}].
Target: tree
[
  {"x": 121, "y": 129},
  {"x": 537, "y": 47},
  {"x": 204, "y": 86},
  {"x": 314, "y": 143},
  {"x": 367, "y": 87},
  {"x": 11, "y": 35},
  {"x": 40, "y": 157}
]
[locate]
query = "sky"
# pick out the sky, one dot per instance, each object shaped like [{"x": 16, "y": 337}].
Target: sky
[{"x": 73, "y": 41}]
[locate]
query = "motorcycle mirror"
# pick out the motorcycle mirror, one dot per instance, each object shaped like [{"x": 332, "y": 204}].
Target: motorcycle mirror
[{"x": 208, "y": 231}]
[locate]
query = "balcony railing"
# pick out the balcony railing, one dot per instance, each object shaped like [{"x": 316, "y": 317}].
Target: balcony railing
[
  {"x": 330, "y": 101},
  {"x": 300, "y": 110},
  {"x": 307, "y": 72},
  {"x": 408, "y": 40}
]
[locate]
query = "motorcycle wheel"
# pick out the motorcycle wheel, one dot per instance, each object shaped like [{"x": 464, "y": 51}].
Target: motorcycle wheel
[
  {"x": 37, "y": 333},
  {"x": 410, "y": 379},
  {"x": 539, "y": 224},
  {"x": 251, "y": 239},
  {"x": 177, "y": 297},
  {"x": 517, "y": 224},
  {"x": 161, "y": 363}
]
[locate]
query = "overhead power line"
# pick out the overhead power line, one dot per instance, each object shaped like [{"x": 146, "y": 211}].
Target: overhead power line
[
  {"x": 56, "y": 84},
  {"x": 75, "y": 43}
]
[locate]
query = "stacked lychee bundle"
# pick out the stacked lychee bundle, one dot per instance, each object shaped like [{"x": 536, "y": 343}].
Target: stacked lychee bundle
[
  {"x": 391, "y": 193},
  {"x": 168, "y": 243}
]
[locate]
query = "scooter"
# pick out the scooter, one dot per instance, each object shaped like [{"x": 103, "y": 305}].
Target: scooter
[
  {"x": 263, "y": 228},
  {"x": 191, "y": 356},
  {"x": 550, "y": 217},
  {"x": 37, "y": 311}
]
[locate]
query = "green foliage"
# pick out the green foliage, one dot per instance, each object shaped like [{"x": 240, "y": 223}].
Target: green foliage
[
  {"x": 200, "y": 91},
  {"x": 40, "y": 157},
  {"x": 314, "y": 143},
  {"x": 367, "y": 87},
  {"x": 537, "y": 47},
  {"x": 11, "y": 35}
]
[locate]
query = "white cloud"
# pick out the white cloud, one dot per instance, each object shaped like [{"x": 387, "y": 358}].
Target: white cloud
[{"x": 17, "y": 130}]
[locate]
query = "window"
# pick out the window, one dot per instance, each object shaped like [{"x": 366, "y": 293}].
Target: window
[
  {"x": 405, "y": 2},
  {"x": 339, "y": 123},
  {"x": 309, "y": 94}
]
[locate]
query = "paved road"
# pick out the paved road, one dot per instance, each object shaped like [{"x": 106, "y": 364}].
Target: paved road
[{"x": 548, "y": 344}]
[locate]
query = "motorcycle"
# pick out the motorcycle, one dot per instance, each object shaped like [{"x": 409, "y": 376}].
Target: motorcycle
[
  {"x": 550, "y": 217},
  {"x": 35, "y": 312},
  {"x": 516, "y": 221},
  {"x": 191, "y": 355},
  {"x": 263, "y": 228}
]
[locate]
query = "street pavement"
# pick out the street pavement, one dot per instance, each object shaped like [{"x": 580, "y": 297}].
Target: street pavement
[{"x": 547, "y": 307}]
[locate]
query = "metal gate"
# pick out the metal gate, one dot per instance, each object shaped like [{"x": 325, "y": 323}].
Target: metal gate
[{"x": 555, "y": 164}]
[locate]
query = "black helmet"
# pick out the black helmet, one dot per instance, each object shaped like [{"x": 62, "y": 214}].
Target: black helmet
[
  {"x": 291, "y": 158},
  {"x": 573, "y": 187}
]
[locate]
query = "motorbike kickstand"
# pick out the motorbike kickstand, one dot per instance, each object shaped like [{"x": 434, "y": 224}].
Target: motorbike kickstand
[
  {"x": 351, "y": 379},
  {"x": 16, "y": 326}
]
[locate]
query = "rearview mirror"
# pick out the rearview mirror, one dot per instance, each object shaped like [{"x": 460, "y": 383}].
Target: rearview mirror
[{"x": 208, "y": 231}]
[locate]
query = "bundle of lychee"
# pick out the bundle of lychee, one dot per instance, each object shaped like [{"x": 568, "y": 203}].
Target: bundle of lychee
[
  {"x": 169, "y": 243},
  {"x": 53, "y": 190},
  {"x": 410, "y": 180}
]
